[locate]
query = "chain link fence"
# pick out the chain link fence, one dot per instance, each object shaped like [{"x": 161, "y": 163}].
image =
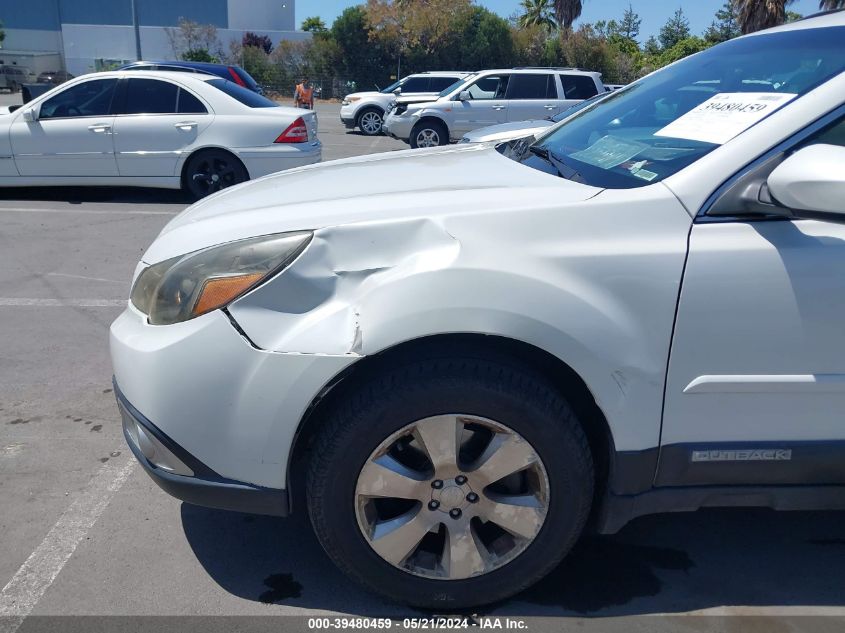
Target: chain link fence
[{"x": 325, "y": 88}]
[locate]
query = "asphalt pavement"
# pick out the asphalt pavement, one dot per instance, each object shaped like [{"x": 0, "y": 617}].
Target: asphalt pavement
[{"x": 85, "y": 532}]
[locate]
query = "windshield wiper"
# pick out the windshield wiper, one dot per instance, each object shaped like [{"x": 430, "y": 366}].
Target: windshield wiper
[{"x": 562, "y": 169}]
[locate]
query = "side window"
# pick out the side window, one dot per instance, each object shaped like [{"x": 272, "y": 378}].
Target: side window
[
  {"x": 415, "y": 84},
  {"x": 91, "y": 98},
  {"x": 531, "y": 87},
  {"x": 490, "y": 87},
  {"x": 833, "y": 134},
  {"x": 438, "y": 84},
  {"x": 150, "y": 96},
  {"x": 578, "y": 86},
  {"x": 189, "y": 104}
]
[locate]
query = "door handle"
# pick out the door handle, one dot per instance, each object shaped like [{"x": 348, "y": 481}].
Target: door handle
[
  {"x": 498, "y": 107},
  {"x": 100, "y": 128},
  {"x": 549, "y": 107},
  {"x": 185, "y": 125}
]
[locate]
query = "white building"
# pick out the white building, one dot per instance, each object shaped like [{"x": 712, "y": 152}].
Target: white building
[{"x": 88, "y": 35}]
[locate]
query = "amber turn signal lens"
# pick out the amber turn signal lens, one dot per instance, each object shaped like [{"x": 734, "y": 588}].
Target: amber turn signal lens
[{"x": 219, "y": 292}]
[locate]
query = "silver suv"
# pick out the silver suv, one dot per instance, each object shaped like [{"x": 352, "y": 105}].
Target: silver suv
[
  {"x": 365, "y": 110},
  {"x": 489, "y": 98}
]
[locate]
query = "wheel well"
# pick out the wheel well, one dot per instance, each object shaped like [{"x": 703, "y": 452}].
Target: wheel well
[
  {"x": 429, "y": 119},
  {"x": 494, "y": 348},
  {"x": 209, "y": 149},
  {"x": 368, "y": 108}
]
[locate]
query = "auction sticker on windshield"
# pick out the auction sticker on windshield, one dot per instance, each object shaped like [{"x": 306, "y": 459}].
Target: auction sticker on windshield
[{"x": 724, "y": 116}]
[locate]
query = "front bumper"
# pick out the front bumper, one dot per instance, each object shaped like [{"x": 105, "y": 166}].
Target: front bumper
[
  {"x": 398, "y": 127},
  {"x": 183, "y": 476},
  {"x": 348, "y": 114}
]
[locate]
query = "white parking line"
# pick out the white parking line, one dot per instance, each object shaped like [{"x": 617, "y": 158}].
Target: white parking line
[
  {"x": 18, "y": 302},
  {"x": 19, "y": 597},
  {"x": 86, "y": 211},
  {"x": 69, "y": 276}
]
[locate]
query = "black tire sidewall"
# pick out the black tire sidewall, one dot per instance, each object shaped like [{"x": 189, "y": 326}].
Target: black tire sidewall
[
  {"x": 570, "y": 485},
  {"x": 190, "y": 168}
]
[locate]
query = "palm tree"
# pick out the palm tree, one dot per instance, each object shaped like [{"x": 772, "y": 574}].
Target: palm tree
[
  {"x": 755, "y": 15},
  {"x": 829, "y": 5},
  {"x": 537, "y": 13},
  {"x": 566, "y": 12}
]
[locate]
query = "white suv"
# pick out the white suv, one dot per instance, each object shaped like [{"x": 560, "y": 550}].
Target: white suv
[
  {"x": 365, "y": 110},
  {"x": 489, "y": 98},
  {"x": 467, "y": 355}
]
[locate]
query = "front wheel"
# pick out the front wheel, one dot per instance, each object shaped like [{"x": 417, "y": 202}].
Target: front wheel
[
  {"x": 429, "y": 134},
  {"x": 450, "y": 483},
  {"x": 209, "y": 171},
  {"x": 370, "y": 122}
]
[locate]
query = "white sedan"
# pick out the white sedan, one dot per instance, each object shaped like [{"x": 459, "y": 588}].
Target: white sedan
[{"x": 164, "y": 129}]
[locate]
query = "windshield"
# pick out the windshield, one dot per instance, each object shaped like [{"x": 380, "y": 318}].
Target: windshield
[
  {"x": 652, "y": 129},
  {"x": 568, "y": 112},
  {"x": 244, "y": 95},
  {"x": 391, "y": 87},
  {"x": 454, "y": 86}
]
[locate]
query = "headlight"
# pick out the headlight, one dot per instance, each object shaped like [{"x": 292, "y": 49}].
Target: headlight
[
  {"x": 348, "y": 100},
  {"x": 187, "y": 286}
]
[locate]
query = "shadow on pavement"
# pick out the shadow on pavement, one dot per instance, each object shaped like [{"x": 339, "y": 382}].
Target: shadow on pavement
[
  {"x": 658, "y": 564},
  {"x": 79, "y": 195}
]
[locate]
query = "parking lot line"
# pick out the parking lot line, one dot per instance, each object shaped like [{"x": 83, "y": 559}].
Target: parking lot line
[
  {"x": 19, "y": 597},
  {"x": 19, "y": 302},
  {"x": 86, "y": 211}
]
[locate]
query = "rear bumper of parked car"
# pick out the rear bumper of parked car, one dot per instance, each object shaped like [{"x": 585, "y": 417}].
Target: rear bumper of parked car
[
  {"x": 198, "y": 394},
  {"x": 260, "y": 161}
]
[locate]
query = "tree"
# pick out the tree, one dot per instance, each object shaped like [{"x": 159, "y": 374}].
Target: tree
[
  {"x": 725, "y": 27},
  {"x": 537, "y": 13},
  {"x": 675, "y": 30},
  {"x": 652, "y": 46},
  {"x": 314, "y": 24},
  {"x": 359, "y": 59},
  {"x": 755, "y": 15},
  {"x": 566, "y": 12},
  {"x": 253, "y": 40},
  {"x": 192, "y": 41},
  {"x": 485, "y": 40},
  {"x": 629, "y": 27}
]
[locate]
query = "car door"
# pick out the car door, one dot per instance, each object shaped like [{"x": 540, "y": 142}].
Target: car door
[
  {"x": 72, "y": 135},
  {"x": 756, "y": 383},
  {"x": 532, "y": 96},
  {"x": 157, "y": 121},
  {"x": 485, "y": 106},
  {"x": 576, "y": 88}
]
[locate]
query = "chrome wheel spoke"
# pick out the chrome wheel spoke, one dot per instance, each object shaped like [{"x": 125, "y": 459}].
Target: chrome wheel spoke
[
  {"x": 440, "y": 438},
  {"x": 386, "y": 477},
  {"x": 396, "y": 539},
  {"x": 462, "y": 556},
  {"x": 521, "y": 516},
  {"x": 506, "y": 454}
]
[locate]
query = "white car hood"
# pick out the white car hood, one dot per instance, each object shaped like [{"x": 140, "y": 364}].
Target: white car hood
[
  {"x": 378, "y": 188},
  {"x": 365, "y": 95}
]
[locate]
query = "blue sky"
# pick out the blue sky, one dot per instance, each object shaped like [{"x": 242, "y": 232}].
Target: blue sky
[{"x": 653, "y": 12}]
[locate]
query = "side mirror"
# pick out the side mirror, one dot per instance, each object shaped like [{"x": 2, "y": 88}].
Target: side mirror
[
  {"x": 29, "y": 115},
  {"x": 811, "y": 183},
  {"x": 398, "y": 91},
  {"x": 464, "y": 96}
]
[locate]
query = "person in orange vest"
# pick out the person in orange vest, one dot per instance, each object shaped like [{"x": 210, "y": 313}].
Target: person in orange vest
[{"x": 304, "y": 95}]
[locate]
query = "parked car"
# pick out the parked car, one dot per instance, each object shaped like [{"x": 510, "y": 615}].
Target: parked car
[
  {"x": 365, "y": 110},
  {"x": 462, "y": 354},
  {"x": 489, "y": 98},
  {"x": 506, "y": 132},
  {"x": 226, "y": 71},
  {"x": 157, "y": 129},
  {"x": 54, "y": 77},
  {"x": 13, "y": 77}
]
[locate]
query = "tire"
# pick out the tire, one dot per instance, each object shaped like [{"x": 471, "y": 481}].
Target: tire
[
  {"x": 212, "y": 170},
  {"x": 430, "y": 133},
  {"x": 369, "y": 121},
  {"x": 13, "y": 88},
  {"x": 425, "y": 393}
]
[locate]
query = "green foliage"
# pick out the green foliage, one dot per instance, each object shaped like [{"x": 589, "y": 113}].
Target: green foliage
[
  {"x": 314, "y": 24},
  {"x": 675, "y": 30},
  {"x": 198, "y": 55},
  {"x": 537, "y": 13},
  {"x": 486, "y": 41}
]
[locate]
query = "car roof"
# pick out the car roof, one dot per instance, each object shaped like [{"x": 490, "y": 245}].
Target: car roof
[
  {"x": 176, "y": 62},
  {"x": 430, "y": 73},
  {"x": 535, "y": 69},
  {"x": 154, "y": 74}
]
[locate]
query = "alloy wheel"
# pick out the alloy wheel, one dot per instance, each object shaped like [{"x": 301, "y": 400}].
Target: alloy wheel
[
  {"x": 370, "y": 123},
  {"x": 212, "y": 174},
  {"x": 452, "y": 497},
  {"x": 428, "y": 138}
]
